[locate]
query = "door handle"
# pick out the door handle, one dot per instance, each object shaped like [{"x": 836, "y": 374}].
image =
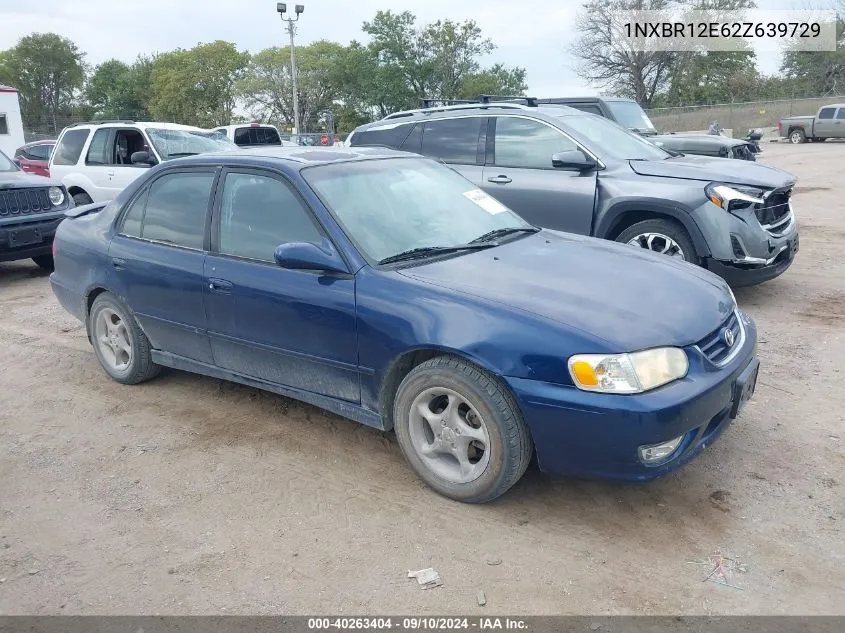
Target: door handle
[
  {"x": 118, "y": 263},
  {"x": 500, "y": 180},
  {"x": 220, "y": 286},
  {"x": 110, "y": 173}
]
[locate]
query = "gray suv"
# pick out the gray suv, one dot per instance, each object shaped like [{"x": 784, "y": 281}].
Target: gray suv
[{"x": 565, "y": 169}]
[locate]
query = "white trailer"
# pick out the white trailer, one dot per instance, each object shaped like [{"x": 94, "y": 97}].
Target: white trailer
[{"x": 11, "y": 124}]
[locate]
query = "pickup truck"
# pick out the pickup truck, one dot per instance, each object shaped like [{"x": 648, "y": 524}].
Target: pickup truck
[{"x": 829, "y": 122}]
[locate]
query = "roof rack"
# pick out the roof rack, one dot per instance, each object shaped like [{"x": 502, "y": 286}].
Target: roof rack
[
  {"x": 428, "y": 103},
  {"x": 469, "y": 105},
  {"x": 531, "y": 102},
  {"x": 102, "y": 122}
]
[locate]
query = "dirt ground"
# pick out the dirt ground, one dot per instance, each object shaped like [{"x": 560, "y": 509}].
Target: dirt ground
[{"x": 188, "y": 495}]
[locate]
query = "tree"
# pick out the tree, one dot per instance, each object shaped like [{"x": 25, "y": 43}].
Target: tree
[
  {"x": 119, "y": 91},
  {"x": 438, "y": 61},
  {"x": 610, "y": 63},
  {"x": 496, "y": 80},
  {"x": 197, "y": 86},
  {"x": 819, "y": 72},
  {"x": 267, "y": 88},
  {"x": 49, "y": 71}
]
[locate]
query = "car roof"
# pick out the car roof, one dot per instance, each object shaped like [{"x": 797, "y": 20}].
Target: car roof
[
  {"x": 543, "y": 111},
  {"x": 298, "y": 157},
  {"x": 593, "y": 98}
]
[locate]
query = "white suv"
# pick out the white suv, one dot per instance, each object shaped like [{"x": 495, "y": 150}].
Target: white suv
[{"x": 96, "y": 160}]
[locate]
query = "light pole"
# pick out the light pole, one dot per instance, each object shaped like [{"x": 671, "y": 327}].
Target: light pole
[{"x": 282, "y": 8}]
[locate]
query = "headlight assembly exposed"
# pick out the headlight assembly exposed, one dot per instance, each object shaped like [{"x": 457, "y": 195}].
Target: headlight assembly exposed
[
  {"x": 628, "y": 373},
  {"x": 57, "y": 196},
  {"x": 733, "y": 197}
]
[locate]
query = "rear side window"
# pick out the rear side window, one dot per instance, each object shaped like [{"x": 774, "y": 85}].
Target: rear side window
[
  {"x": 134, "y": 216},
  {"x": 177, "y": 207},
  {"x": 98, "y": 149},
  {"x": 826, "y": 113},
  {"x": 453, "y": 140},
  {"x": 528, "y": 144},
  {"x": 40, "y": 152},
  {"x": 392, "y": 136},
  {"x": 414, "y": 141},
  {"x": 70, "y": 147}
]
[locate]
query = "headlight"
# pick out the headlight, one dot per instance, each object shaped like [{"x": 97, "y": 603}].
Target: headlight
[
  {"x": 57, "y": 196},
  {"x": 733, "y": 197},
  {"x": 628, "y": 373}
]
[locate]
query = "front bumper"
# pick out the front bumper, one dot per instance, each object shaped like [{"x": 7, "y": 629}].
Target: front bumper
[
  {"x": 598, "y": 435},
  {"x": 748, "y": 274},
  {"x": 46, "y": 228}
]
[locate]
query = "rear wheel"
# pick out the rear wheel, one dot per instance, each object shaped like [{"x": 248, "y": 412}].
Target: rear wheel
[
  {"x": 797, "y": 136},
  {"x": 121, "y": 346},
  {"x": 661, "y": 236},
  {"x": 461, "y": 430},
  {"x": 44, "y": 261},
  {"x": 81, "y": 198}
]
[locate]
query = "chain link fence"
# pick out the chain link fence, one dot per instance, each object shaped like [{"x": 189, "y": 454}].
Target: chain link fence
[{"x": 738, "y": 117}]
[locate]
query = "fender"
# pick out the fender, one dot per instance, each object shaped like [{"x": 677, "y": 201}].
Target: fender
[{"x": 609, "y": 219}]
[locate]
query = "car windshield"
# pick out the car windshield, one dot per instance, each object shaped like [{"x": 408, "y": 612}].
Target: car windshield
[
  {"x": 629, "y": 114},
  {"x": 6, "y": 164},
  {"x": 391, "y": 206},
  {"x": 609, "y": 140},
  {"x": 175, "y": 143}
]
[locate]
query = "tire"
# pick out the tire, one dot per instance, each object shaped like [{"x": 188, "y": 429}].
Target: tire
[
  {"x": 821, "y": 139},
  {"x": 81, "y": 198},
  {"x": 797, "y": 136},
  {"x": 508, "y": 447},
  {"x": 656, "y": 235},
  {"x": 139, "y": 366},
  {"x": 44, "y": 261}
]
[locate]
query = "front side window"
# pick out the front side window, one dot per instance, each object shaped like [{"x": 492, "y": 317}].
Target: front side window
[
  {"x": 528, "y": 144},
  {"x": 608, "y": 140},
  {"x": 259, "y": 213},
  {"x": 70, "y": 147},
  {"x": 176, "y": 209},
  {"x": 840, "y": 114},
  {"x": 6, "y": 164},
  {"x": 390, "y": 206},
  {"x": 826, "y": 113},
  {"x": 453, "y": 140}
]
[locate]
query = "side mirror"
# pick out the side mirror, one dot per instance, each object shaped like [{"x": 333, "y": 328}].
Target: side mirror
[
  {"x": 573, "y": 160},
  {"x": 308, "y": 256},
  {"x": 142, "y": 158}
]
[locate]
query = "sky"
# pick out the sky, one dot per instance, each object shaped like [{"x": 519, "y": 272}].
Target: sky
[{"x": 533, "y": 34}]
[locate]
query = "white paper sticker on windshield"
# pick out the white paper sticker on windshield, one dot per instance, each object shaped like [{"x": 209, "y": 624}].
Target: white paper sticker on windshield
[{"x": 488, "y": 203}]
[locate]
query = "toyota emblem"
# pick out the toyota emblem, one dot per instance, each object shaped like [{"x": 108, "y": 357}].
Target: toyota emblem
[{"x": 728, "y": 335}]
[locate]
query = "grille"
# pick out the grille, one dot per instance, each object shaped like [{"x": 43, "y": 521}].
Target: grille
[
  {"x": 25, "y": 201},
  {"x": 773, "y": 214},
  {"x": 714, "y": 347}
]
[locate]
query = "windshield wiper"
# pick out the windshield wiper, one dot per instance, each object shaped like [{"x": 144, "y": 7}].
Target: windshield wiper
[
  {"x": 426, "y": 251},
  {"x": 495, "y": 233}
]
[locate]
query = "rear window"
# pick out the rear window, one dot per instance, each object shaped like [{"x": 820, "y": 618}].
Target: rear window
[
  {"x": 70, "y": 147},
  {"x": 257, "y": 136},
  {"x": 392, "y": 136}
]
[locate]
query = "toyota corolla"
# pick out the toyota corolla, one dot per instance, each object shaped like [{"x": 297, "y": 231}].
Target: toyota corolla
[{"x": 385, "y": 288}]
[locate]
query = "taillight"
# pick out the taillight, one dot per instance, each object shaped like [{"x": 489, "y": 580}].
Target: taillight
[
  {"x": 55, "y": 250},
  {"x": 780, "y": 125}
]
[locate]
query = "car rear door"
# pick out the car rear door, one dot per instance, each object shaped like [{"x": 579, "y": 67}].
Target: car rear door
[
  {"x": 826, "y": 125},
  {"x": 519, "y": 173},
  {"x": 158, "y": 257},
  {"x": 459, "y": 142},
  {"x": 289, "y": 327},
  {"x": 98, "y": 165}
]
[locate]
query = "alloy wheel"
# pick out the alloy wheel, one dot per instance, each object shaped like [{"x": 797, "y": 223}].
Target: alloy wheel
[{"x": 658, "y": 243}]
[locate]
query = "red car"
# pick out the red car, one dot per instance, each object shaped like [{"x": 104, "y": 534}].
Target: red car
[{"x": 34, "y": 157}]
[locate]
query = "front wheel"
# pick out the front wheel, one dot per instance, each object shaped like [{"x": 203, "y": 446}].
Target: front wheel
[
  {"x": 661, "y": 236},
  {"x": 461, "y": 430},
  {"x": 121, "y": 346}
]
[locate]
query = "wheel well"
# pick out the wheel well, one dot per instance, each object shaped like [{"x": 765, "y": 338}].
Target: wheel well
[
  {"x": 92, "y": 296},
  {"x": 395, "y": 374},
  {"x": 795, "y": 128},
  {"x": 75, "y": 190},
  {"x": 630, "y": 218}
]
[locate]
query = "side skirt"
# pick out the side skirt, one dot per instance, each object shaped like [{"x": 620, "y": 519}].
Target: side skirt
[{"x": 344, "y": 409}]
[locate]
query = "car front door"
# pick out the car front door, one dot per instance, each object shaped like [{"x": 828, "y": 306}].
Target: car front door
[
  {"x": 825, "y": 124},
  {"x": 123, "y": 172},
  {"x": 288, "y": 327},
  {"x": 520, "y": 174},
  {"x": 158, "y": 258}
]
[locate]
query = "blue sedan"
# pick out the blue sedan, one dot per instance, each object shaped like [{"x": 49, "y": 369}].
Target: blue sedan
[{"x": 385, "y": 288}]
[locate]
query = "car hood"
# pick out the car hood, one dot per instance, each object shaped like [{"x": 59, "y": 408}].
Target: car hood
[
  {"x": 631, "y": 298},
  {"x": 22, "y": 180},
  {"x": 714, "y": 169}
]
